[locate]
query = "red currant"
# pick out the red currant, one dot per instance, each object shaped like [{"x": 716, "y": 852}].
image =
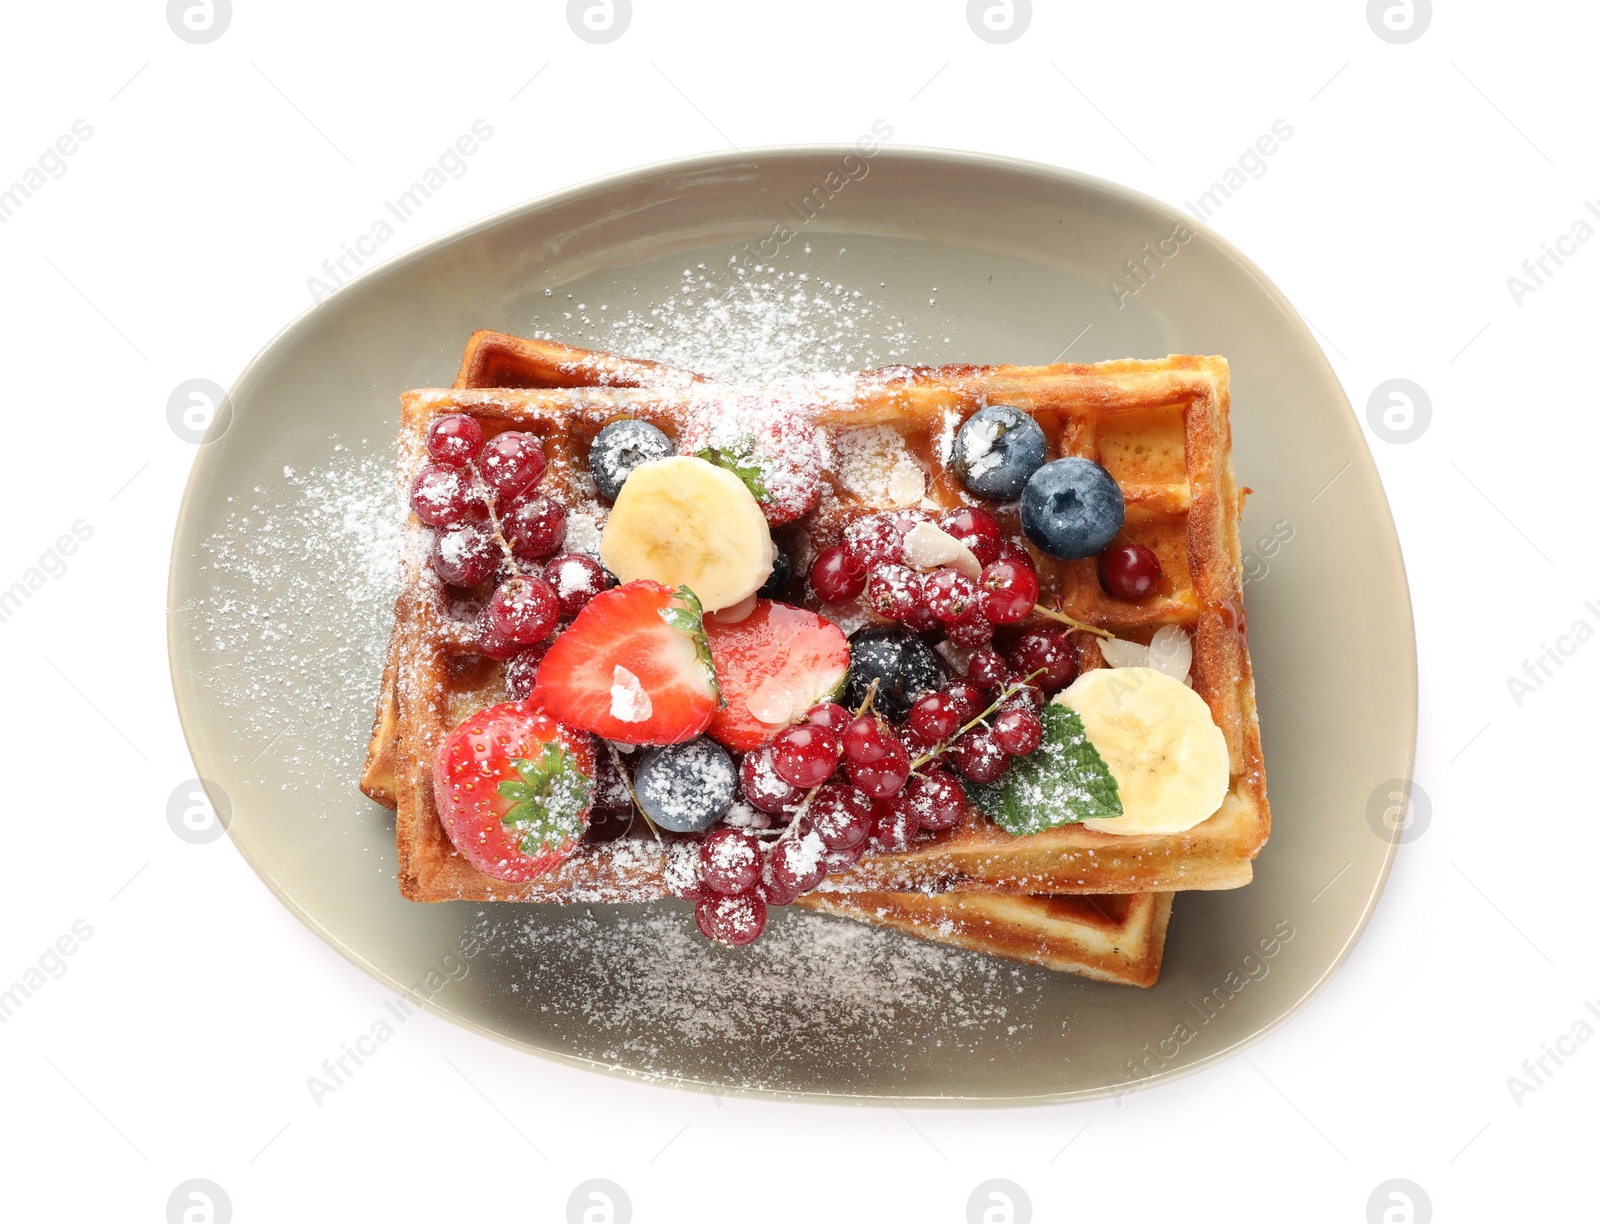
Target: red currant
[
  {"x": 978, "y": 757},
  {"x": 950, "y": 596},
  {"x": 1130, "y": 571},
  {"x": 893, "y": 826},
  {"x": 866, "y": 739},
  {"x": 443, "y": 496},
  {"x": 885, "y": 776},
  {"x": 774, "y": 892},
  {"x": 935, "y": 799},
  {"x": 935, "y": 717},
  {"x": 511, "y": 463},
  {"x": 805, "y": 755},
  {"x": 730, "y": 861},
  {"x": 843, "y": 860},
  {"x": 972, "y": 632},
  {"x": 879, "y": 539},
  {"x": 967, "y": 698},
  {"x": 466, "y": 555},
  {"x": 1017, "y": 732},
  {"x": 987, "y": 669},
  {"x": 731, "y": 920},
  {"x": 829, "y": 714},
  {"x": 894, "y": 592},
  {"x": 840, "y": 815},
  {"x": 796, "y": 863},
  {"x": 521, "y": 669},
  {"x": 976, "y": 529},
  {"x": 1015, "y": 552},
  {"x": 1010, "y": 591},
  {"x": 455, "y": 439},
  {"x": 535, "y": 528},
  {"x": 576, "y": 578},
  {"x": 1025, "y": 698},
  {"x": 836, "y": 577},
  {"x": 763, "y": 788},
  {"x": 1047, "y": 651},
  {"x": 491, "y": 641},
  {"x": 524, "y": 610}
]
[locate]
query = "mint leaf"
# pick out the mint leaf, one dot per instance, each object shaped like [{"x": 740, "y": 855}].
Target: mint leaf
[
  {"x": 742, "y": 461},
  {"x": 549, "y": 801},
  {"x": 691, "y": 620},
  {"x": 1063, "y": 781}
]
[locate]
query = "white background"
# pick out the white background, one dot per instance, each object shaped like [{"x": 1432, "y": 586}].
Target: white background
[{"x": 180, "y": 238}]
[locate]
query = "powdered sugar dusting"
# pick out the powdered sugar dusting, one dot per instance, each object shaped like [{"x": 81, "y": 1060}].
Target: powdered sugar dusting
[
  {"x": 748, "y": 322},
  {"x": 801, "y": 1004},
  {"x": 299, "y": 553}
]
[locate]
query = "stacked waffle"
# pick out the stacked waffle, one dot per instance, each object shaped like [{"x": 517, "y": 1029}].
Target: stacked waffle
[{"x": 1070, "y": 898}]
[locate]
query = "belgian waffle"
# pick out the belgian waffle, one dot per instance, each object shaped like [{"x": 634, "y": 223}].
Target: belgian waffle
[
  {"x": 1159, "y": 427},
  {"x": 1112, "y": 938}
]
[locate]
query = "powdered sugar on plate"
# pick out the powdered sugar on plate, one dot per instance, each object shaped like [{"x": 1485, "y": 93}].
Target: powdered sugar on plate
[
  {"x": 801, "y": 1004},
  {"x": 300, "y": 553}
]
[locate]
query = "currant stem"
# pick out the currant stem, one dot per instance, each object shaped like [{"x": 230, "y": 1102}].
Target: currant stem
[
  {"x": 1064, "y": 619},
  {"x": 627, "y": 784},
  {"x": 872, "y": 692},
  {"x": 1016, "y": 686},
  {"x": 499, "y": 536}
]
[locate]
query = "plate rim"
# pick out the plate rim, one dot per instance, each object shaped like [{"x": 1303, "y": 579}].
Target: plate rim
[{"x": 1392, "y": 555}]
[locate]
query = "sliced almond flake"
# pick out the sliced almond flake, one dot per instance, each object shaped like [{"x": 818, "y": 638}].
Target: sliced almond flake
[{"x": 629, "y": 702}]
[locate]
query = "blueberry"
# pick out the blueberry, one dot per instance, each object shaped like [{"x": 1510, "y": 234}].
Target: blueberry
[
  {"x": 996, "y": 450},
  {"x": 622, "y": 446},
  {"x": 904, "y": 666},
  {"x": 1071, "y": 508},
  {"x": 778, "y": 582},
  {"x": 686, "y": 788}
]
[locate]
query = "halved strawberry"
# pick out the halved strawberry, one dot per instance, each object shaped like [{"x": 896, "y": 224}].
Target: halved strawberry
[
  {"x": 633, "y": 667},
  {"x": 766, "y": 443},
  {"x": 513, "y": 786},
  {"x": 772, "y": 667}
]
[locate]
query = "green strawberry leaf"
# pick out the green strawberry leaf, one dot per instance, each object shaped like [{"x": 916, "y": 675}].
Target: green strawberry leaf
[
  {"x": 548, "y": 802},
  {"x": 740, "y": 459},
  {"x": 1063, "y": 781},
  {"x": 690, "y": 618}
]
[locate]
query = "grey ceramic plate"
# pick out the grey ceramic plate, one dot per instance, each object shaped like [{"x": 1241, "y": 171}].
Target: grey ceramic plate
[{"x": 783, "y": 262}]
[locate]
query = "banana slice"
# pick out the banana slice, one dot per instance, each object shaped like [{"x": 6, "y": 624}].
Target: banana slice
[
  {"x": 1156, "y": 736},
  {"x": 684, "y": 522}
]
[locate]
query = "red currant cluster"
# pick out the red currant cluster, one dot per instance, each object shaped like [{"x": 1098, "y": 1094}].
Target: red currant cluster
[
  {"x": 840, "y": 784},
  {"x": 480, "y": 499},
  {"x": 872, "y": 559}
]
